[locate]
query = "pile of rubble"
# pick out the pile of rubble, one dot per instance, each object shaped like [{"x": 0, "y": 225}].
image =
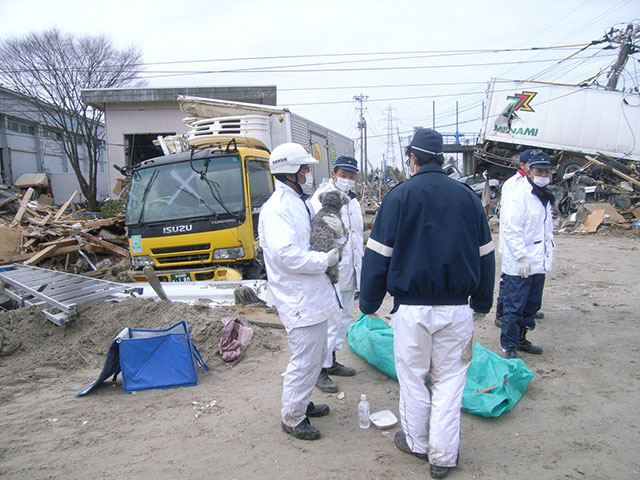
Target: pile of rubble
[
  {"x": 61, "y": 238},
  {"x": 601, "y": 193}
]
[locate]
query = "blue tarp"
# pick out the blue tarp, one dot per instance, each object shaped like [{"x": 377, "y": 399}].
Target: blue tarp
[{"x": 151, "y": 359}]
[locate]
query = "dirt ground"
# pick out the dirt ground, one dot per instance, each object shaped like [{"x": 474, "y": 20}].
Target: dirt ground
[{"x": 578, "y": 419}]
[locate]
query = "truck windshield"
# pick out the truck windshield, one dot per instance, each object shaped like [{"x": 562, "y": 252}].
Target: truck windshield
[{"x": 175, "y": 191}]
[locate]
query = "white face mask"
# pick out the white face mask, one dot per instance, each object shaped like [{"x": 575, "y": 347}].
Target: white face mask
[
  {"x": 344, "y": 184},
  {"x": 541, "y": 181},
  {"x": 307, "y": 186}
]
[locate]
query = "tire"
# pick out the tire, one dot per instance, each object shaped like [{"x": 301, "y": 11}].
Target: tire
[{"x": 568, "y": 166}]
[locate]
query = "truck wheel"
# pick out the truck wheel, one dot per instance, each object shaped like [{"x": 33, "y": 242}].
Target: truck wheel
[{"x": 568, "y": 166}]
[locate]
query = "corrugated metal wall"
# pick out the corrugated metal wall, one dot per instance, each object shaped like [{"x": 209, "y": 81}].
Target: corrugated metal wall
[{"x": 333, "y": 143}]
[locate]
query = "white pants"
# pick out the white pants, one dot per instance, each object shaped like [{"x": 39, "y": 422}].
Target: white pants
[
  {"x": 308, "y": 345},
  {"x": 338, "y": 325},
  {"x": 432, "y": 347}
]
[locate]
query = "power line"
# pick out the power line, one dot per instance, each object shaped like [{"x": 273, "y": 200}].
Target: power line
[{"x": 360, "y": 69}]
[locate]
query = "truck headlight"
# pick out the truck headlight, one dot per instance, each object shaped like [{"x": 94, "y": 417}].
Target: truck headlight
[
  {"x": 228, "y": 253},
  {"x": 141, "y": 261}
]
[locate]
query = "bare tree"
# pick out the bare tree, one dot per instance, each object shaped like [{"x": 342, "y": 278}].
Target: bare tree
[{"x": 50, "y": 69}]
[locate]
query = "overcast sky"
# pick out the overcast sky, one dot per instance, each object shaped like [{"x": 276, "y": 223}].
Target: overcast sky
[{"x": 403, "y": 54}]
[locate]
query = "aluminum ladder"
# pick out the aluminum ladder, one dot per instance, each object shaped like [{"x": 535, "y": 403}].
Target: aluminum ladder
[{"x": 56, "y": 293}]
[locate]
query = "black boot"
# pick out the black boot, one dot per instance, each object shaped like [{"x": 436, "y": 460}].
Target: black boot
[
  {"x": 401, "y": 443},
  {"x": 304, "y": 430},
  {"x": 324, "y": 382},
  {"x": 339, "y": 369},
  {"x": 525, "y": 345},
  {"x": 439, "y": 472},
  {"x": 499, "y": 312},
  {"x": 319, "y": 410}
]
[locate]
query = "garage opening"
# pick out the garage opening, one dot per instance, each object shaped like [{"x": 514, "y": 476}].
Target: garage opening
[{"x": 139, "y": 147}]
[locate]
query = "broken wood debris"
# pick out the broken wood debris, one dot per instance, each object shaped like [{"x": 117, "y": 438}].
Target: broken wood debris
[{"x": 64, "y": 238}]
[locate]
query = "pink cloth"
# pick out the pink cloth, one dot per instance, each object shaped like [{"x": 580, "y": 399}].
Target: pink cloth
[{"x": 230, "y": 346}]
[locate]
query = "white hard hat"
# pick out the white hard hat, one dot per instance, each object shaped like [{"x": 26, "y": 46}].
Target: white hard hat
[{"x": 288, "y": 157}]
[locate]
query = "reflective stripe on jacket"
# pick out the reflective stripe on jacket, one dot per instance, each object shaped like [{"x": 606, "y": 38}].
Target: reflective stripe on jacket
[{"x": 430, "y": 245}]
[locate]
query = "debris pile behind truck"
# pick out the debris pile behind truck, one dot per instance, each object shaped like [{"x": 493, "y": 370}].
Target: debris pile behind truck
[{"x": 63, "y": 238}]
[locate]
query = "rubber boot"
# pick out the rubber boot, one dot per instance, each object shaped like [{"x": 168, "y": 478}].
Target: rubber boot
[
  {"x": 439, "y": 472},
  {"x": 324, "y": 382},
  {"x": 340, "y": 370},
  {"x": 525, "y": 345},
  {"x": 304, "y": 430}
]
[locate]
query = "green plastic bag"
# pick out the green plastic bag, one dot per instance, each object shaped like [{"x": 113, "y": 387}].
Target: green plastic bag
[
  {"x": 372, "y": 339},
  {"x": 509, "y": 379}
]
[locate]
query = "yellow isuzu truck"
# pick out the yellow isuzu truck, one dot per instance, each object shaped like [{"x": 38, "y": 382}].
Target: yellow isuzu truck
[{"x": 192, "y": 214}]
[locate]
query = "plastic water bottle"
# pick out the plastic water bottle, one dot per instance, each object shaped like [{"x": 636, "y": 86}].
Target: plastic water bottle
[{"x": 363, "y": 412}]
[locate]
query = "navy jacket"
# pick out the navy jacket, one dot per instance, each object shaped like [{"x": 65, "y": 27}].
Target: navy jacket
[{"x": 430, "y": 245}]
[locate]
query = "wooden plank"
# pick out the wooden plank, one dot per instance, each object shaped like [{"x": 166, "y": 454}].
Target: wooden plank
[
  {"x": 8, "y": 200},
  {"x": 97, "y": 273},
  {"x": 40, "y": 255},
  {"x": 108, "y": 245},
  {"x": 46, "y": 219},
  {"x": 23, "y": 207},
  {"x": 15, "y": 258},
  {"x": 63, "y": 242},
  {"x": 105, "y": 222},
  {"x": 64, "y": 207},
  {"x": 29, "y": 242},
  {"x": 617, "y": 172},
  {"x": 96, "y": 248}
]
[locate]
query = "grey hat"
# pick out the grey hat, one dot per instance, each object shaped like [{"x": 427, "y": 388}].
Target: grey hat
[{"x": 427, "y": 141}]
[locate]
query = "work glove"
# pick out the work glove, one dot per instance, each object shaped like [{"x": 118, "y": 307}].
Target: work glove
[
  {"x": 334, "y": 224},
  {"x": 524, "y": 267},
  {"x": 333, "y": 257},
  {"x": 478, "y": 317}
]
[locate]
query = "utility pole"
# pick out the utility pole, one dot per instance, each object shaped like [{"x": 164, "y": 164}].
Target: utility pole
[
  {"x": 362, "y": 126},
  {"x": 391, "y": 151},
  {"x": 627, "y": 48},
  {"x": 403, "y": 163}
]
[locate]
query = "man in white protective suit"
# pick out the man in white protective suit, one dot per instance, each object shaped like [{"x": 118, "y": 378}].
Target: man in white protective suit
[
  {"x": 431, "y": 249},
  {"x": 343, "y": 178},
  {"x": 526, "y": 229},
  {"x": 302, "y": 292},
  {"x": 509, "y": 186}
]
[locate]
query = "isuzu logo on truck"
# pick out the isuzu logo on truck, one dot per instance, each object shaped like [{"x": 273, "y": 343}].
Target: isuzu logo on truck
[{"x": 177, "y": 229}]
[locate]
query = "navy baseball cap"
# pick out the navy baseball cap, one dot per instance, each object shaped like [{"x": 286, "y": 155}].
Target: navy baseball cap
[
  {"x": 540, "y": 160},
  {"x": 526, "y": 156},
  {"x": 346, "y": 163},
  {"x": 427, "y": 141}
]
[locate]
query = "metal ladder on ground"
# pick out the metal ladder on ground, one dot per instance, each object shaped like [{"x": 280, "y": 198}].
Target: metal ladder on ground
[{"x": 56, "y": 293}]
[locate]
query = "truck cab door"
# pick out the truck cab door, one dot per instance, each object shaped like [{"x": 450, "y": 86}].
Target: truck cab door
[{"x": 260, "y": 188}]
